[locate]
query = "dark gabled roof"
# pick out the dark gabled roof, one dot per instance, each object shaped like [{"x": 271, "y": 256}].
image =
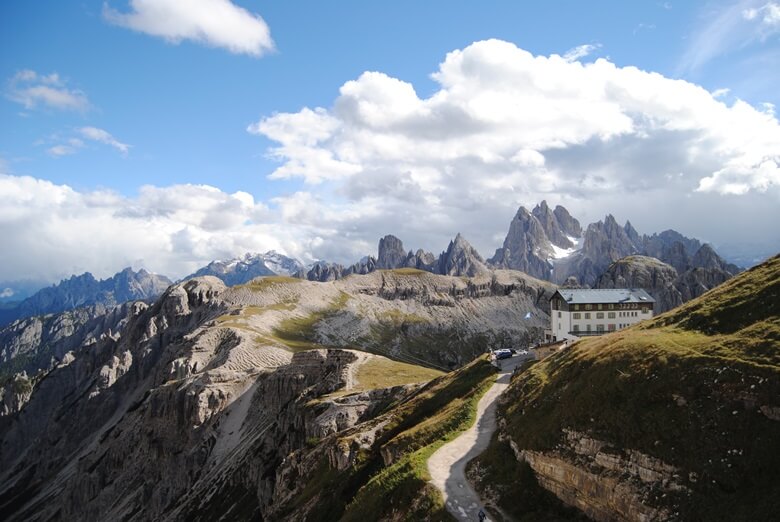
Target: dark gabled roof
[{"x": 611, "y": 295}]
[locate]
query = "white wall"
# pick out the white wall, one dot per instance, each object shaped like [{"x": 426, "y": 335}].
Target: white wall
[{"x": 565, "y": 324}]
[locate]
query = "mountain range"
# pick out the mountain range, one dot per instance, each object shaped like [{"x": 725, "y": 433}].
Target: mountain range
[
  {"x": 284, "y": 399},
  {"x": 86, "y": 291},
  {"x": 549, "y": 244}
]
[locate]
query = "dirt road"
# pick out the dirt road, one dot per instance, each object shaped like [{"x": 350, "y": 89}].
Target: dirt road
[{"x": 447, "y": 465}]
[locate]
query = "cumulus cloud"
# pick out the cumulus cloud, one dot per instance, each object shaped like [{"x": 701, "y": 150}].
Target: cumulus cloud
[
  {"x": 33, "y": 90},
  {"x": 217, "y": 23},
  {"x": 507, "y": 128},
  {"x": 501, "y": 113},
  {"x": 51, "y": 230},
  {"x": 504, "y": 128},
  {"x": 6, "y": 293}
]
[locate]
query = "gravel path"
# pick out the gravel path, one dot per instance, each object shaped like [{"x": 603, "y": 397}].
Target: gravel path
[{"x": 447, "y": 465}]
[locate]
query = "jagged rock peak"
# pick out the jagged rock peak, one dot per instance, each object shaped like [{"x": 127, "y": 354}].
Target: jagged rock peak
[
  {"x": 570, "y": 226},
  {"x": 526, "y": 246},
  {"x": 552, "y": 228},
  {"x": 706, "y": 257},
  {"x": 391, "y": 253},
  {"x": 632, "y": 234},
  {"x": 461, "y": 259}
]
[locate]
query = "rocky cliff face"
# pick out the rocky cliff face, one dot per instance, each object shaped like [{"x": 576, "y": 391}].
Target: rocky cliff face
[
  {"x": 461, "y": 259},
  {"x": 85, "y": 290},
  {"x": 603, "y": 243},
  {"x": 526, "y": 247},
  {"x": 669, "y": 288},
  {"x": 189, "y": 407},
  {"x": 391, "y": 253},
  {"x": 555, "y": 231},
  {"x": 604, "y": 482},
  {"x": 606, "y": 242},
  {"x": 568, "y": 225},
  {"x": 36, "y": 345}
]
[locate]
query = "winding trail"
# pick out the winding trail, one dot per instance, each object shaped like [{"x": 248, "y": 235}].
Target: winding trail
[{"x": 447, "y": 466}]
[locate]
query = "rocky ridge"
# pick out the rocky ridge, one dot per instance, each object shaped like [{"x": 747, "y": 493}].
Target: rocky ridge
[
  {"x": 210, "y": 388},
  {"x": 86, "y": 291}
]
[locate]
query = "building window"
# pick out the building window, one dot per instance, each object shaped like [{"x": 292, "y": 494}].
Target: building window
[
  {"x": 587, "y": 327},
  {"x": 588, "y": 307},
  {"x": 559, "y": 315},
  {"x": 611, "y": 327},
  {"x": 611, "y": 306},
  {"x": 577, "y": 315},
  {"x": 587, "y": 315},
  {"x": 611, "y": 315},
  {"x": 599, "y": 315},
  {"x": 599, "y": 306},
  {"x": 599, "y": 327},
  {"x": 576, "y": 307},
  {"x": 645, "y": 310},
  {"x": 576, "y": 328}
]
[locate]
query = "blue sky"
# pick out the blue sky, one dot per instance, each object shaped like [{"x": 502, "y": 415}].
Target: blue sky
[{"x": 149, "y": 112}]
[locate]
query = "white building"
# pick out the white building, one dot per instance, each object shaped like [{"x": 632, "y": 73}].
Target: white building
[{"x": 580, "y": 313}]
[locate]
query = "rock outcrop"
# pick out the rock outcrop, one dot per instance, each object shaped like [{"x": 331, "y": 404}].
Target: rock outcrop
[
  {"x": 526, "y": 247},
  {"x": 556, "y": 233},
  {"x": 662, "y": 281},
  {"x": 189, "y": 407},
  {"x": 461, "y": 259},
  {"x": 391, "y": 253},
  {"x": 603, "y": 482}
]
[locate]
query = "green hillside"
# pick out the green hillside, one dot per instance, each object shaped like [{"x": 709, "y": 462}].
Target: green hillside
[
  {"x": 697, "y": 388},
  {"x": 373, "y": 489}
]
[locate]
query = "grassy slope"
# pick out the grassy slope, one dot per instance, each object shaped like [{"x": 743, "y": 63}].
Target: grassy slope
[
  {"x": 413, "y": 430},
  {"x": 686, "y": 387}
]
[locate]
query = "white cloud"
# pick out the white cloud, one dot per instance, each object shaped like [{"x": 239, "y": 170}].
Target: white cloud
[
  {"x": 217, "y": 23},
  {"x": 33, "y": 90},
  {"x": 6, "y": 293},
  {"x": 102, "y": 136},
  {"x": 62, "y": 150},
  {"x": 503, "y": 128},
  {"x": 581, "y": 51},
  {"x": 505, "y": 113},
  {"x": 769, "y": 14},
  {"x": 171, "y": 230},
  {"x": 507, "y": 128},
  {"x": 73, "y": 145}
]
